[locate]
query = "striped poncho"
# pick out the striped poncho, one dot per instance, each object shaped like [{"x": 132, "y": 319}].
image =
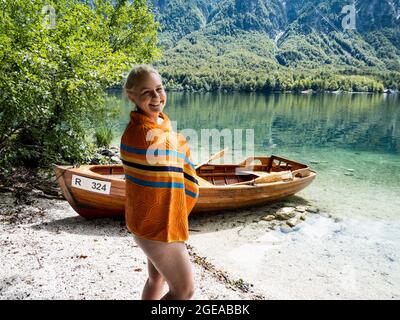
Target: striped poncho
[{"x": 161, "y": 184}]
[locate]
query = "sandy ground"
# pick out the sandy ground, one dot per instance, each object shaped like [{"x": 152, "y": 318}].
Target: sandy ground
[{"x": 49, "y": 252}]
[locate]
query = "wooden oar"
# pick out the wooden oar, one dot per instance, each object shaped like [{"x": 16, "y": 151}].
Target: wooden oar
[
  {"x": 217, "y": 155},
  {"x": 265, "y": 177}
]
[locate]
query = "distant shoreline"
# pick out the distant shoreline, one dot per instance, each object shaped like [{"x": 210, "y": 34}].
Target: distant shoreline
[{"x": 309, "y": 91}]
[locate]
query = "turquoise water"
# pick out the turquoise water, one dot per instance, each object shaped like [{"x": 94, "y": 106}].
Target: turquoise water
[{"x": 351, "y": 140}]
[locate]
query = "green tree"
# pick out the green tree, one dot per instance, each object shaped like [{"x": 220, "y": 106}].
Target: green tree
[{"x": 53, "y": 76}]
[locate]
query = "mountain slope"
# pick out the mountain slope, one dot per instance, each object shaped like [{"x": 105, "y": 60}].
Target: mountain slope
[{"x": 234, "y": 41}]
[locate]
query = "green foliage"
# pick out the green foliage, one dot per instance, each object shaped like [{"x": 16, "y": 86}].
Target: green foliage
[
  {"x": 53, "y": 80},
  {"x": 103, "y": 136},
  {"x": 243, "y": 62}
]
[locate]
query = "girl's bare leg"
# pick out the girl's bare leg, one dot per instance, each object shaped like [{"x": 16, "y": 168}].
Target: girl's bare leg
[
  {"x": 154, "y": 284},
  {"x": 172, "y": 262}
]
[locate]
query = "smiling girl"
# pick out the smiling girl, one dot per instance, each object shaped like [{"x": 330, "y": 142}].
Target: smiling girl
[{"x": 159, "y": 195}]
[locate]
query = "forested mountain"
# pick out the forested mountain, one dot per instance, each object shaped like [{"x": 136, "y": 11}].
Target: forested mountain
[{"x": 280, "y": 45}]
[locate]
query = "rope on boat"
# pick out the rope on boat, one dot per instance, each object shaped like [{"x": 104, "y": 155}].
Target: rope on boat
[{"x": 63, "y": 170}]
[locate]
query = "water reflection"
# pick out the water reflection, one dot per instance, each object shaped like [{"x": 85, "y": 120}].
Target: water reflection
[{"x": 364, "y": 122}]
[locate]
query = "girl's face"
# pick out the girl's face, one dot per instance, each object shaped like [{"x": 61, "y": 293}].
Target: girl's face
[{"x": 149, "y": 95}]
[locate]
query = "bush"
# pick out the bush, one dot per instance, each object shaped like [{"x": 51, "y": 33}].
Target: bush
[{"x": 53, "y": 80}]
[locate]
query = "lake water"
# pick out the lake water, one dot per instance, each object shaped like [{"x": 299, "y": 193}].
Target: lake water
[{"x": 351, "y": 140}]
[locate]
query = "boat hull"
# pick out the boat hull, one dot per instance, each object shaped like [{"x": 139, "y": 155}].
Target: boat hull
[{"x": 91, "y": 204}]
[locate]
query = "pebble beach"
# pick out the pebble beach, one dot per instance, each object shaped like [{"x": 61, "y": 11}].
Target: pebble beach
[
  {"x": 285, "y": 250},
  {"x": 49, "y": 252}
]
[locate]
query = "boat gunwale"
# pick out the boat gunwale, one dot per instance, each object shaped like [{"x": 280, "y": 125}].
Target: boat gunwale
[{"x": 86, "y": 170}]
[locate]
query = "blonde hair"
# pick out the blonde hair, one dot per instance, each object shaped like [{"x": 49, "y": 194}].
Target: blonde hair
[{"x": 136, "y": 75}]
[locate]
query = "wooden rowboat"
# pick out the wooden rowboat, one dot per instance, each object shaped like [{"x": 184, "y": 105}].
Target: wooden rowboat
[{"x": 99, "y": 190}]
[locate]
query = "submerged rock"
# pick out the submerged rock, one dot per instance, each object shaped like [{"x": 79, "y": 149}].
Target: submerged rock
[
  {"x": 326, "y": 215},
  {"x": 285, "y": 229}
]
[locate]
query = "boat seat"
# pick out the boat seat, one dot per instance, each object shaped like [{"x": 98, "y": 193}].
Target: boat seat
[{"x": 114, "y": 176}]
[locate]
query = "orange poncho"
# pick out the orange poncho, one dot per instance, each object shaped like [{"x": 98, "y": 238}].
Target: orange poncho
[{"x": 161, "y": 184}]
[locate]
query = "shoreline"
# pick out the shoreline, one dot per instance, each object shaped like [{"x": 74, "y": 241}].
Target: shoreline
[{"x": 306, "y": 91}]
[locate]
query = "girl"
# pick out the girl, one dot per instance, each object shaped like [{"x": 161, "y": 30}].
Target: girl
[{"x": 161, "y": 187}]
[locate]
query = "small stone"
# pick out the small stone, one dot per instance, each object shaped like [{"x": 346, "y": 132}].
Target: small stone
[
  {"x": 272, "y": 225},
  {"x": 95, "y": 160},
  {"x": 269, "y": 217},
  {"x": 301, "y": 208},
  {"x": 292, "y": 222},
  {"x": 106, "y": 153},
  {"x": 349, "y": 174},
  {"x": 36, "y": 192},
  {"x": 286, "y": 209},
  {"x": 303, "y": 217},
  {"x": 116, "y": 159},
  {"x": 285, "y": 213},
  {"x": 312, "y": 209}
]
